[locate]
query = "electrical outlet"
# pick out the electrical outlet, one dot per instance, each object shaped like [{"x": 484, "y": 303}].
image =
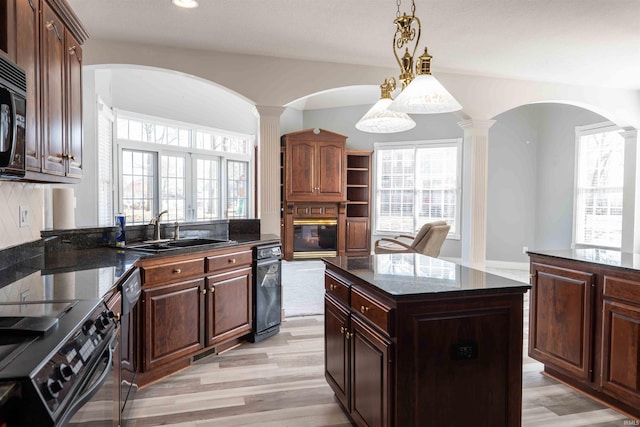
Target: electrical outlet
[
  {"x": 25, "y": 216},
  {"x": 525, "y": 249}
]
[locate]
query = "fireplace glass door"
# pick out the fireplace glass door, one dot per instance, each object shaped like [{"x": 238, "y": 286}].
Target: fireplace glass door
[{"x": 314, "y": 238}]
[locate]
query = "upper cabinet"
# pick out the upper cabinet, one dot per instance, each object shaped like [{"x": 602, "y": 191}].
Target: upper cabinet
[
  {"x": 44, "y": 38},
  {"x": 315, "y": 166}
]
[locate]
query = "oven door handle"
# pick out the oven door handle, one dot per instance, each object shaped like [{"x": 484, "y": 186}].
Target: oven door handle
[{"x": 93, "y": 389}]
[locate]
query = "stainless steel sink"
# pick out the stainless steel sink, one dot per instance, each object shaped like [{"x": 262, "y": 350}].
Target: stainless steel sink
[{"x": 168, "y": 245}]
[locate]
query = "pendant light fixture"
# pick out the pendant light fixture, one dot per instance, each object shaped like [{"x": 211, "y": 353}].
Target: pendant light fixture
[
  {"x": 421, "y": 92},
  {"x": 187, "y": 4},
  {"x": 381, "y": 120}
]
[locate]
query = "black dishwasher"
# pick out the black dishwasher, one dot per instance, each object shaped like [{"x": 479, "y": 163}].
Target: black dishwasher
[{"x": 267, "y": 291}]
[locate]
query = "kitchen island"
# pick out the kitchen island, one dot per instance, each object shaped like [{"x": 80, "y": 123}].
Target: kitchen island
[
  {"x": 417, "y": 341},
  {"x": 585, "y": 322}
]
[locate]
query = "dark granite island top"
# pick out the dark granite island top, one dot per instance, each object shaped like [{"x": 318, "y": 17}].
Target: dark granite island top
[
  {"x": 411, "y": 275},
  {"x": 600, "y": 256},
  {"x": 417, "y": 341}
]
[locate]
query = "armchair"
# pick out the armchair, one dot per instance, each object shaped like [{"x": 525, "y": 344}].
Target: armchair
[{"x": 428, "y": 241}]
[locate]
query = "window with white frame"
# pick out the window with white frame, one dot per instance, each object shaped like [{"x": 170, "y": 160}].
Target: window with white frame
[
  {"x": 181, "y": 168},
  {"x": 599, "y": 185},
  {"x": 416, "y": 183}
]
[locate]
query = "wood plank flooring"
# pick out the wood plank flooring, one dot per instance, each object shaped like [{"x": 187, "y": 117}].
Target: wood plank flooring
[{"x": 280, "y": 383}]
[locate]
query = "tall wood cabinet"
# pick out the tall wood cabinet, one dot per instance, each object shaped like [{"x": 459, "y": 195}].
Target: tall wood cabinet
[
  {"x": 44, "y": 38},
  {"x": 315, "y": 166}
]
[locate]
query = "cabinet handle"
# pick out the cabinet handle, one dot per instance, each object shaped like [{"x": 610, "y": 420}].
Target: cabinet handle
[
  {"x": 342, "y": 329},
  {"x": 117, "y": 316},
  {"x": 364, "y": 309},
  {"x": 204, "y": 291},
  {"x": 51, "y": 24},
  {"x": 232, "y": 261},
  {"x": 332, "y": 287},
  {"x": 33, "y": 6},
  {"x": 177, "y": 271},
  {"x": 73, "y": 50},
  {"x": 348, "y": 335},
  {"x": 212, "y": 289}
]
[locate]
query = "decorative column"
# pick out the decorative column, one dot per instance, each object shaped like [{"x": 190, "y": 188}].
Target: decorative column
[
  {"x": 631, "y": 196},
  {"x": 269, "y": 169},
  {"x": 474, "y": 191}
]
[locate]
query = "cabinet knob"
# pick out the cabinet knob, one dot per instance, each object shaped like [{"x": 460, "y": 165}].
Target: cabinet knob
[
  {"x": 177, "y": 271},
  {"x": 232, "y": 261},
  {"x": 342, "y": 329},
  {"x": 364, "y": 309},
  {"x": 212, "y": 289},
  {"x": 332, "y": 287},
  {"x": 348, "y": 335},
  {"x": 117, "y": 317},
  {"x": 204, "y": 291}
]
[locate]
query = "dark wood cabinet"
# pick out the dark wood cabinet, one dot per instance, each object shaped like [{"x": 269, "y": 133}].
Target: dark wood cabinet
[
  {"x": 584, "y": 325},
  {"x": 190, "y": 304},
  {"x": 561, "y": 327},
  {"x": 172, "y": 322},
  {"x": 44, "y": 38},
  {"x": 315, "y": 166},
  {"x": 228, "y": 305},
  {"x": 422, "y": 359}
]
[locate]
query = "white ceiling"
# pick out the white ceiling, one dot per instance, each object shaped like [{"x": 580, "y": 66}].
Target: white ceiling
[{"x": 585, "y": 42}]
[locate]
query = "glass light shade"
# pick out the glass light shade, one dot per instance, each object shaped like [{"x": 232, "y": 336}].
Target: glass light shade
[
  {"x": 380, "y": 120},
  {"x": 425, "y": 95},
  {"x": 188, "y": 4}
]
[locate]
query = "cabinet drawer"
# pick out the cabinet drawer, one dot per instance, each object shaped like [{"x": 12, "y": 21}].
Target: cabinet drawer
[
  {"x": 226, "y": 261},
  {"x": 172, "y": 272},
  {"x": 624, "y": 289},
  {"x": 336, "y": 288},
  {"x": 378, "y": 314}
]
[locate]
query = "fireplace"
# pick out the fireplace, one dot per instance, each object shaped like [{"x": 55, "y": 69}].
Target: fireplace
[{"x": 315, "y": 238}]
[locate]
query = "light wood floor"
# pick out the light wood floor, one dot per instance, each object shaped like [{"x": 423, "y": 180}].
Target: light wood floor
[{"x": 280, "y": 382}]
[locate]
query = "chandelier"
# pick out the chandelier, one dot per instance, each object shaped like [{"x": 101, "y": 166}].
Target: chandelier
[{"x": 421, "y": 92}]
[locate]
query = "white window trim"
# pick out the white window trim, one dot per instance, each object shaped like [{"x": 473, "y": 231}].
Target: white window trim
[
  {"x": 580, "y": 131},
  {"x": 191, "y": 154},
  {"x": 457, "y": 142}
]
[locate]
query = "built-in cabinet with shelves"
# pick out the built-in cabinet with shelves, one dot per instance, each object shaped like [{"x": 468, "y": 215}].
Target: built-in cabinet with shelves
[
  {"x": 358, "y": 209},
  {"x": 44, "y": 38},
  {"x": 584, "y": 324},
  {"x": 190, "y": 304}
]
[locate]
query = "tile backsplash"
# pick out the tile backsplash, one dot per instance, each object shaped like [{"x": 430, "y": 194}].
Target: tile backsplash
[{"x": 13, "y": 195}]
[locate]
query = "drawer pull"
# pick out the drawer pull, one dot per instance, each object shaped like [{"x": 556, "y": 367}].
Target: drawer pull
[
  {"x": 117, "y": 317},
  {"x": 212, "y": 289},
  {"x": 364, "y": 309},
  {"x": 342, "y": 329},
  {"x": 204, "y": 291},
  {"x": 348, "y": 334},
  {"x": 177, "y": 271},
  {"x": 232, "y": 261},
  {"x": 332, "y": 287}
]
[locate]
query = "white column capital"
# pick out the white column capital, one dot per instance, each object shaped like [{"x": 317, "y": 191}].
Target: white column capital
[
  {"x": 631, "y": 134},
  {"x": 476, "y": 124},
  {"x": 266, "y": 111}
]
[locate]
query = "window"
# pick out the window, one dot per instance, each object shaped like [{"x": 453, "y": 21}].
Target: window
[
  {"x": 599, "y": 185},
  {"x": 195, "y": 173},
  {"x": 416, "y": 183}
]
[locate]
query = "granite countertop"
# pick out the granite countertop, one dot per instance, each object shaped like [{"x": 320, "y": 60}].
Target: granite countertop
[
  {"x": 599, "y": 256},
  {"x": 84, "y": 273},
  {"x": 414, "y": 274}
]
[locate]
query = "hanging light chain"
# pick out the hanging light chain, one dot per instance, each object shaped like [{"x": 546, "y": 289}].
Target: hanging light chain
[{"x": 413, "y": 8}]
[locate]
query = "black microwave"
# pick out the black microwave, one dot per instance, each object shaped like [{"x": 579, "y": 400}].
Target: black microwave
[{"x": 13, "y": 110}]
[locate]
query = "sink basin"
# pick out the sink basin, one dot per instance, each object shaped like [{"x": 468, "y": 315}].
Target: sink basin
[{"x": 168, "y": 245}]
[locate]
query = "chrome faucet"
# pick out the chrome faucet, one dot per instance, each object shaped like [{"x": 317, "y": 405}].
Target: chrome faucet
[{"x": 155, "y": 221}]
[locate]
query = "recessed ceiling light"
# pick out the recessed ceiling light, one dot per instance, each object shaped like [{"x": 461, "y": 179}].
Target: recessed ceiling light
[{"x": 189, "y": 4}]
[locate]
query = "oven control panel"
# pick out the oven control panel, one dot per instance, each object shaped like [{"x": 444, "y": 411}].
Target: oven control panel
[{"x": 72, "y": 363}]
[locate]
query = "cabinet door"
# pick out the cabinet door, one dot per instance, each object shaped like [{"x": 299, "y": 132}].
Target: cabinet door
[
  {"x": 560, "y": 319},
  {"x": 229, "y": 305},
  {"x": 358, "y": 239},
  {"x": 621, "y": 340},
  {"x": 173, "y": 322},
  {"x": 370, "y": 376},
  {"x": 73, "y": 112},
  {"x": 330, "y": 171},
  {"x": 27, "y": 59},
  {"x": 301, "y": 171},
  {"x": 52, "y": 75},
  {"x": 336, "y": 350}
]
